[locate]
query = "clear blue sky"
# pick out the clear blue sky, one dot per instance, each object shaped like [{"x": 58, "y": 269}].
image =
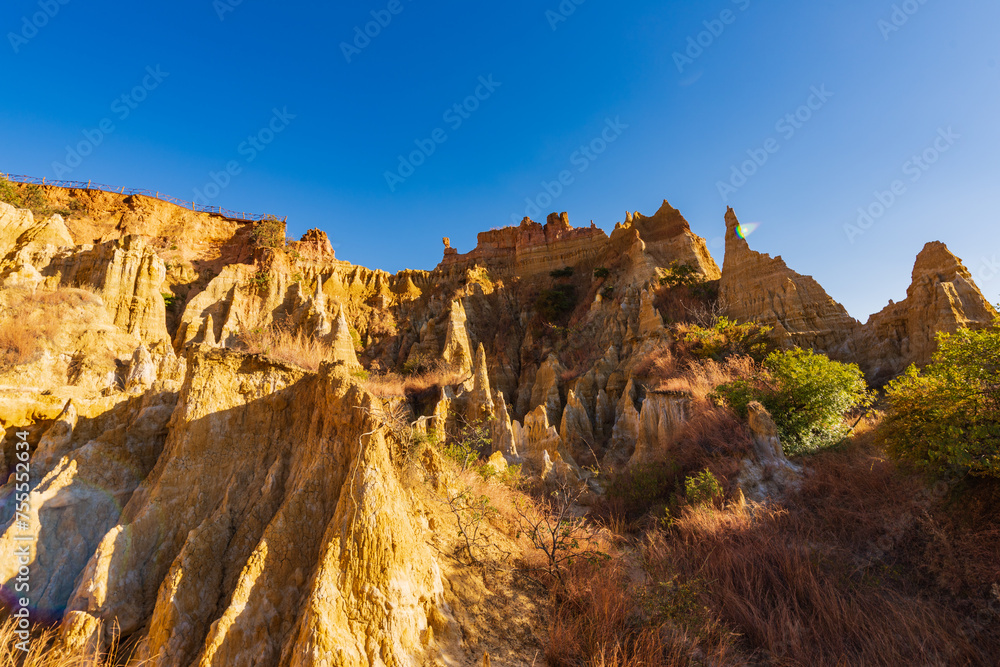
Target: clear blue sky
[{"x": 688, "y": 122}]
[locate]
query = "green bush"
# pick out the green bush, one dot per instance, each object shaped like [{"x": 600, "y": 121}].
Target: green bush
[
  {"x": 9, "y": 194},
  {"x": 261, "y": 280},
  {"x": 727, "y": 338},
  {"x": 946, "y": 417},
  {"x": 468, "y": 449},
  {"x": 681, "y": 274},
  {"x": 557, "y": 303},
  {"x": 601, "y": 272},
  {"x": 703, "y": 488},
  {"x": 33, "y": 197},
  {"x": 565, "y": 272},
  {"x": 269, "y": 233},
  {"x": 807, "y": 394}
]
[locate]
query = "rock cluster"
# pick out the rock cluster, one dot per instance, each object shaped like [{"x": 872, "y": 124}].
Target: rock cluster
[
  {"x": 941, "y": 298},
  {"x": 228, "y": 508}
]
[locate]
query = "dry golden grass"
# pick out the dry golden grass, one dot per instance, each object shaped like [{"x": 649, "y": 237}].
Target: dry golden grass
[
  {"x": 45, "y": 651},
  {"x": 281, "y": 344},
  {"x": 30, "y": 320},
  {"x": 604, "y": 616},
  {"x": 866, "y": 564},
  {"x": 388, "y": 385}
]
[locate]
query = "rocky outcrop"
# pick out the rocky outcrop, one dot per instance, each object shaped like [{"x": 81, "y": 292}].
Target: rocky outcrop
[
  {"x": 757, "y": 287},
  {"x": 942, "y": 297},
  {"x": 530, "y": 249},
  {"x": 533, "y": 250},
  {"x": 768, "y": 474},
  {"x": 129, "y": 276},
  {"x": 85, "y": 470},
  {"x": 668, "y": 239},
  {"x": 342, "y": 346},
  {"x": 292, "y": 530},
  {"x": 27, "y": 246},
  {"x": 660, "y": 420},
  {"x": 457, "y": 346}
]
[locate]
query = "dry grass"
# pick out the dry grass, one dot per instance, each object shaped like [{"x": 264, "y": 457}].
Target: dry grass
[
  {"x": 388, "y": 385},
  {"x": 656, "y": 365},
  {"x": 865, "y": 564},
  {"x": 45, "y": 651},
  {"x": 30, "y": 320},
  {"x": 607, "y": 617},
  {"x": 793, "y": 604},
  {"x": 281, "y": 344},
  {"x": 700, "y": 378}
]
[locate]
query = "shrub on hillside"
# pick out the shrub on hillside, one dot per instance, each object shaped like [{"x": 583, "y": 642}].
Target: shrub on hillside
[
  {"x": 565, "y": 272},
  {"x": 556, "y": 303},
  {"x": 681, "y": 274},
  {"x": 947, "y": 416},
  {"x": 807, "y": 394},
  {"x": 727, "y": 338},
  {"x": 269, "y": 233}
]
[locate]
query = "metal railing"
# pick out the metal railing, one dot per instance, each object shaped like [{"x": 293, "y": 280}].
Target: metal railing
[{"x": 90, "y": 185}]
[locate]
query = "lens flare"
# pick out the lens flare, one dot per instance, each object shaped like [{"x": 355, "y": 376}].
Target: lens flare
[{"x": 747, "y": 229}]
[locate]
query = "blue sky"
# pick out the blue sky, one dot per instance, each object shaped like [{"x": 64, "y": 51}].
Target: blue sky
[{"x": 558, "y": 77}]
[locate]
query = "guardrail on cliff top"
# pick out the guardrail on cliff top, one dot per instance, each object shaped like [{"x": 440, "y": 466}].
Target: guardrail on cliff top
[{"x": 90, "y": 185}]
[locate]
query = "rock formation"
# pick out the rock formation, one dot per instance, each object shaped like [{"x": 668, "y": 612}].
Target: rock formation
[
  {"x": 941, "y": 298},
  {"x": 757, "y": 287},
  {"x": 220, "y": 506}
]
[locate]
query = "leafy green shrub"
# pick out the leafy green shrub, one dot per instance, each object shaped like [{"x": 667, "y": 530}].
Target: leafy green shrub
[
  {"x": 360, "y": 374},
  {"x": 268, "y": 233},
  {"x": 9, "y": 194},
  {"x": 261, "y": 280},
  {"x": 703, "y": 488},
  {"x": 566, "y": 272},
  {"x": 806, "y": 393},
  {"x": 601, "y": 272},
  {"x": 556, "y": 303},
  {"x": 608, "y": 293},
  {"x": 33, "y": 197},
  {"x": 727, "y": 338},
  {"x": 946, "y": 417},
  {"x": 681, "y": 274},
  {"x": 169, "y": 299},
  {"x": 466, "y": 449}
]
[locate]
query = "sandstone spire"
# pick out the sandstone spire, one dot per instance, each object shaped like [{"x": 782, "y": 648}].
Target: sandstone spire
[
  {"x": 457, "y": 348},
  {"x": 942, "y": 297},
  {"x": 757, "y": 287},
  {"x": 209, "y": 337},
  {"x": 342, "y": 347}
]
